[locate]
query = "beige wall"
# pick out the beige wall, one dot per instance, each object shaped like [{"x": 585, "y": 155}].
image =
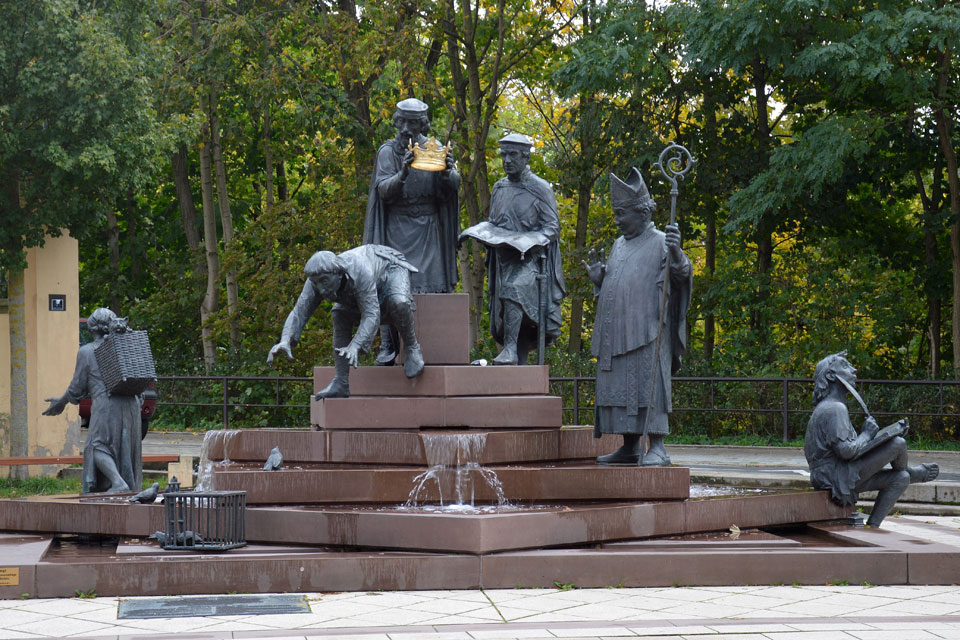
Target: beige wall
[{"x": 52, "y": 340}]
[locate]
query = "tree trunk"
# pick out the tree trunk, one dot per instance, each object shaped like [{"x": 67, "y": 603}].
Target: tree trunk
[
  {"x": 226, "y": 221},
  {"x": 934, "y": 304},
  {"x": 188, "y": 211},
  {"x": 268, "y": 155},
  {"x": 764, "y": 231},
  {"x": 19, "y": 425},
  {"x": 282, "y": 191},
  {"x": 113, "y": 243},
  {"x": 945, "y": 133},
  {"x": 211, "y": 298}
]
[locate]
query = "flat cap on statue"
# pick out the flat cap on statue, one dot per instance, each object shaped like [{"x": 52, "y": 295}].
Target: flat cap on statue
[
  {"x": 516, "y": 140},
  {"x": 632, "y": 192},
  {"x": 412, "y": 106}
]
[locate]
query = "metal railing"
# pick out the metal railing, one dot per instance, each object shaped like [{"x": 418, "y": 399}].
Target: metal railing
[{"x": 780, "y": 401}]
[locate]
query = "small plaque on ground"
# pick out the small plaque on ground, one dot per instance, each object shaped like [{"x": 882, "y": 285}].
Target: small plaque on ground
[{"x": 199, "y": 606}]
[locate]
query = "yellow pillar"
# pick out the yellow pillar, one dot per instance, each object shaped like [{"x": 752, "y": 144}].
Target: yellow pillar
[{"x": 52, "y": 275}]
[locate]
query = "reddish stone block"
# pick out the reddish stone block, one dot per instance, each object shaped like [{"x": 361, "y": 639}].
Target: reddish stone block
[{"x": 445, "y": 380}]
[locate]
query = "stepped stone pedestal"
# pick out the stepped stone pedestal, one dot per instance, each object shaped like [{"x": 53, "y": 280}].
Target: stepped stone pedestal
[{"x": 332, "y": 517}]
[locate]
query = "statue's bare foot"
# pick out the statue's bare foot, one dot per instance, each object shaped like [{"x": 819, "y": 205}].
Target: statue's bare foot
[
  {"x": 507, "y": 356},
  {"x": 119, "y": 488},
  {"x": 923, "y": 472},
  {"x": 336, "y": 389}
]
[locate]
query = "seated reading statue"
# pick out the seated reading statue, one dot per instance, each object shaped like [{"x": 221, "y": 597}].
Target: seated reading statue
[
  {"x": 847, "y": 463},
  {"x": 366, "y": 284},
  {"x": 111, "y": 455}
]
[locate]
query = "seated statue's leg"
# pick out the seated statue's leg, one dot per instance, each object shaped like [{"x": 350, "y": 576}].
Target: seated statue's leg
[
  {"x": 892, "y": 452},
  {"x": 388, "y": 346},
  {"x": 339, "y": 387},
  {"x": 399, "y": 310},
  {"x": 108, "y": 467},
  {"x": 889, "y": 485},
  {"x": 512, "y": 317},
  {"x": 629, "y": 453}
]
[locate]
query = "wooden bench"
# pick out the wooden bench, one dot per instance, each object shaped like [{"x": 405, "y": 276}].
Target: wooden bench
[{"x": 34, "y": 460}]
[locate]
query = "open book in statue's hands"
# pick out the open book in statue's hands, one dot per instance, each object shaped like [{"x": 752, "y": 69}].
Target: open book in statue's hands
[
  {"x": 898, "y": 428},
  {"x": 494, "y": 236}
]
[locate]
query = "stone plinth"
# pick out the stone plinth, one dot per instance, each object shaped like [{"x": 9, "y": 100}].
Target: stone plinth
[
  {"x": 442, "y": 328},
  {"x": 406, "y": 447},
  {"x": 355, "y": 485},
  {"x": 481, "y": 412},
  {"x": 445, "y": 381}
]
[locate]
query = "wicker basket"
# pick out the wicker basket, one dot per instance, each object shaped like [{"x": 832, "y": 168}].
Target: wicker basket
[{"x": 126, "y": 363}]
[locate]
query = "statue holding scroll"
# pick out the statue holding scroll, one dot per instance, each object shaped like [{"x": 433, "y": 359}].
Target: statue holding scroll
[
  {"x": 846, "y": 462},
  {"x": 525, "y": 277}
]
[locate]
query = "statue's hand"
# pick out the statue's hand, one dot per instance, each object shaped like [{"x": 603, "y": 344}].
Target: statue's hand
[
  {"x": 407, "y": 161},
  {"x": 597, "y": 266},
  {"x": 905, "y": 426},
  {"x": 280, "y": 347},
  {"x": 56, "y": 406},
  {"x": 673, "y": 240},
  {"x": 351, "y": 353},
  {"x": 870, "y": 426},
  {"x": 451, "y": 163}
]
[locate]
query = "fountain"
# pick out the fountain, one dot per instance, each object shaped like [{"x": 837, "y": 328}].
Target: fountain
[{"x": 459, "y": 478}]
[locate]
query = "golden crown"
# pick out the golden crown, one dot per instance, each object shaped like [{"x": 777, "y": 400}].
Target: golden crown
[{"x": 431, "y": 156}]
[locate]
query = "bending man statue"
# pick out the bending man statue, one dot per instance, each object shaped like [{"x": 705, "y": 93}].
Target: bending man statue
[
  {"x": 522, "y": 203},
  {"x": 625, "y": 332},
  {"x": 847, "y": 463},
  {"x": 367, "y": 284},
  {"x": 111, "y": 455},
  {"x": 415, "y": 212}
]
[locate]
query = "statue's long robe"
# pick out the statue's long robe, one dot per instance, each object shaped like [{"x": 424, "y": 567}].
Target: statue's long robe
[
  {"x": 420, "y": 217},
  {"x": 625, "y": 334},
  {"x": 114, "y": 427},
  {"x": 525, "y": 205}
]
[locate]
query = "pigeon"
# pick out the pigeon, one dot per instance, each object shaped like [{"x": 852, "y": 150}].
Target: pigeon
[
  {"x": 147, "y": 496},
  {"x": 159, "y": 536},
  {"x": 183, "y": 539},
  {"x": 274, "y": 460}
]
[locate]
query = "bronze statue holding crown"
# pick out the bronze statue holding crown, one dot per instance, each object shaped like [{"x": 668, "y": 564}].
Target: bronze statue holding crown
[
  {"x": 414, "y": 210},
  {"x": 629, "y": 285}
]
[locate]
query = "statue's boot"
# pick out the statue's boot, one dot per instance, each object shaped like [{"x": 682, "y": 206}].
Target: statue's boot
[
  {"x": 923, "y": 472},
  {"x": 339, "y": 387},
  {"x": 657, "y": 455},
  {"x": 627, "y": 454},
  {"x": 512, "y": 317},
  {"x": 388, "y": 349},
  {"x": 412, "y": 357}
]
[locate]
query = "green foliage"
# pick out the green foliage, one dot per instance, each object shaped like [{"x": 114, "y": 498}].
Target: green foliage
[{"x": 38, "y": 486}]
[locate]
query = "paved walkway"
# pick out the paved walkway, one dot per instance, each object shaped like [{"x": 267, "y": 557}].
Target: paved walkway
[{"x": 761, "y": 612}]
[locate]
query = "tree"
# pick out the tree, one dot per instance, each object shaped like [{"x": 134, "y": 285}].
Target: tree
[{"x": 76, "y": 129}]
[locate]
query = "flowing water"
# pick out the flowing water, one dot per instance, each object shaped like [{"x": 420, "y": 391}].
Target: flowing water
[
  {"x": 212, "y": 439},
  {"x": 458, "y": 454}
]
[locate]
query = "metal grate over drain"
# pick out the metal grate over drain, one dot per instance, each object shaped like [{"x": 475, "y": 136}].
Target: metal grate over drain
[{"x": 200, "y": 606}]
